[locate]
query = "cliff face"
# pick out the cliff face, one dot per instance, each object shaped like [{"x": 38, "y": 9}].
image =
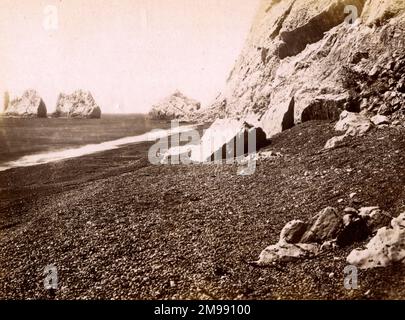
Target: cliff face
[{"x": 307, "y": 60}]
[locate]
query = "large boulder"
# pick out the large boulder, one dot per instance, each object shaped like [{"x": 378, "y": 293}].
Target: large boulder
[
  {"x": 384, "y": 249},
  {"x": 287, "y": 252},
  {"x": 79, "y": 104},
  {"x": 176, "y": 106},
  {"x": 30, "y": 104},
  {"x": 324, "y": 226},
  {"x": 293, "y": 231},
  {"x": 380, "y": 119},
  {"x": 225, "y": 139},
  {"x": 353, "y": 124},
  {"x": 229, "y": 139}
]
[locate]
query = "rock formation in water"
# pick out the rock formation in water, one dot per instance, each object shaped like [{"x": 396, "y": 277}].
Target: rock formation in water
[
  {"x": 307, "y": 60},
  {"x": 79, "y": 104},
  {"x": 30, "y": 104},
  {"x": 176, "y": 106}
]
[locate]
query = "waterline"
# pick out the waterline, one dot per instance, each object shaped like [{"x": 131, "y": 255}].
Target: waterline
[{"x": 47, "y": 157}]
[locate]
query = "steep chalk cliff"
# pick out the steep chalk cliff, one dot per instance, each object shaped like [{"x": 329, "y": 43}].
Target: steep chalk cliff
[{"x": 307, "y": 60}]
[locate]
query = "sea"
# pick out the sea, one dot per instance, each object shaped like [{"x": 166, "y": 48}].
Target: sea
[{"x": 32, "y": 141}]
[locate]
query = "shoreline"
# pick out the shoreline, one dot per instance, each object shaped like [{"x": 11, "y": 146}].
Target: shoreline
[
  {"x": 59, "y": 155},
  {"x": 118, "y": 227}
]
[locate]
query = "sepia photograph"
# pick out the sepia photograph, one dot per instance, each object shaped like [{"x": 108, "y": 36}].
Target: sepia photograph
[{"x": 202, "y": 150}]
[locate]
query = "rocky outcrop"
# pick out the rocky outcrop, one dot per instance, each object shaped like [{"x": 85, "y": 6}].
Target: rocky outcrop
[
  {"x": 307, "y": 60},
  {"x": 79, "y": 104},
  {"x": 384, "y": 249},
  {"x": 30, "y": 104},
  {"x": 326, "y": 230},
  {"x": 176, "y": 106}
]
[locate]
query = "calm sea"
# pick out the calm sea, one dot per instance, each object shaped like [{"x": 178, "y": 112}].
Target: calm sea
[{"x": 26, "y": 140}]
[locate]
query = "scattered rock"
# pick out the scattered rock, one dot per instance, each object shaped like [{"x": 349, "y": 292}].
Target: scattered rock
[
  {"x": 350, "y": 210},
  {"x": 324, "y": 226},
  {"x": 354, "y": 124},
  {"x": 328, "y": 245},
  {"x": 79, "y": 104},
  {"x": 334, "y": 142},
  {"x": 285, "y": 252},
  {"x": 293, "y": 231},
  {"x": 30, "y": 104},
  {"x": 355, "y": 229},
  {"x": 375, "y": 218},
  {"x": 380, "y": 119},
  {"x": 384, "y": 249}
]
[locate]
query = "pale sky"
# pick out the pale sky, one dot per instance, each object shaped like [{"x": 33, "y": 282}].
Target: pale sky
[{"x": 127, "y": 52}]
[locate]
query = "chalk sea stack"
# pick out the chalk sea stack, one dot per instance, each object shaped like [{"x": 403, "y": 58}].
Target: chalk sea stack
[
  {"x": 29, "y": 105},
  {"x": 79, "y": 104},
  {"x": 176, "y": 106}
]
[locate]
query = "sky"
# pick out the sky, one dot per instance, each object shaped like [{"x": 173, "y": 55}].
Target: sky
[{"x": 128, "y": 53}]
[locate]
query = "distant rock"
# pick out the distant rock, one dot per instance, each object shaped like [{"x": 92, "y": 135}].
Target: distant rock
[
  {"x": 324, "y": 226},
  {"x": 176, "y": 106},
  {"x": 384, "y": 249},
  {"x": 79, "y": 104},
  {"x": 30, "y": 104}
]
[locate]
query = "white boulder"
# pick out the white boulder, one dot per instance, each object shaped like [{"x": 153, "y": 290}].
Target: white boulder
[
  {"x": 354, "y": 124},
  {"x": 380, "y": 119},
  {"x": 384, "y": 249},
  {"x": 286, "y": 252}
]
